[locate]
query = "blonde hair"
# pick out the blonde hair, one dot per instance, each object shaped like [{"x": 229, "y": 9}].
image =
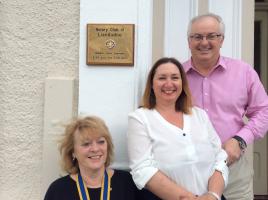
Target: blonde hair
[{"x": 87, "y": 126}]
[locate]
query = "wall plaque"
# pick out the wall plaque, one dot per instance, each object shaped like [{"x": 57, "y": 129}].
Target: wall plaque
[{"x": 110, "y": 44}]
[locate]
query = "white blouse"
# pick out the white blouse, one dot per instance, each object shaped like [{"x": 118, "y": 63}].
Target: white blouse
[{"x": 189, "y": 156}]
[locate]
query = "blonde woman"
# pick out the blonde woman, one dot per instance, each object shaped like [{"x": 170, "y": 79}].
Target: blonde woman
[{"x": 87, "y": 152}]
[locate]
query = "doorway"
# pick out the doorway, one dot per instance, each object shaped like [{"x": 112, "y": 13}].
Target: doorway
[{"x": 260, "y": 65}]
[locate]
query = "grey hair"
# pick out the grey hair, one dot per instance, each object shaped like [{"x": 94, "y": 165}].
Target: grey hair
[{"x": 212, "y": 15}]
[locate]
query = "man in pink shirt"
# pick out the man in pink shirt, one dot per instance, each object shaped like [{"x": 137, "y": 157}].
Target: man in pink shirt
[{"x": 227, "y": 89}]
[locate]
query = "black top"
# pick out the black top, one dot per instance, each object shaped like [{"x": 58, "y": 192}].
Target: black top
[{"x": 123, "y": 188}]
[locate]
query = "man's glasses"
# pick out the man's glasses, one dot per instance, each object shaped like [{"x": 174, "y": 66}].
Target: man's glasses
[{"x": 209, "y": 37}]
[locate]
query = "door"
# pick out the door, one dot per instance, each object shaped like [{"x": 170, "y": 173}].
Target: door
[{"x": 260, "y": 65}]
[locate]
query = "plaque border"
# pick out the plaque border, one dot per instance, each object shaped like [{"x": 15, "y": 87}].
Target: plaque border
[{"x": 130, "y": 63}]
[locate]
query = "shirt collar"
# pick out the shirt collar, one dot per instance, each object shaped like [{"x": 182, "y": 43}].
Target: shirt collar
[{"x": 189, "y": 64}]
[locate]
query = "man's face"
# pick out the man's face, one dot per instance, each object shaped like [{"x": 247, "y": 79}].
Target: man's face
[{"x": 205, "y": 41}]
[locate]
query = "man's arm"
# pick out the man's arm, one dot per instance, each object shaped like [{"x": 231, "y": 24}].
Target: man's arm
[{"x": 257, "y": 114}]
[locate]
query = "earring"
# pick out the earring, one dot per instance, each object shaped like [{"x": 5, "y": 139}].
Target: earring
[{"x": 73, "y": 157}]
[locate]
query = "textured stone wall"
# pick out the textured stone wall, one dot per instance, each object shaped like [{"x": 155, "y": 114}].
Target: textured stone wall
[{"x": 38, "y": 39}]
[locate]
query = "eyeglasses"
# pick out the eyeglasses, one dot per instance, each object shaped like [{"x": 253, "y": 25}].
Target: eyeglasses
[{"x": 209, "y": 37}]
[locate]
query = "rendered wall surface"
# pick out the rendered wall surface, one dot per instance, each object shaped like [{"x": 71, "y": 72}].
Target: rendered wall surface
[{"x": 38, "y": 39}]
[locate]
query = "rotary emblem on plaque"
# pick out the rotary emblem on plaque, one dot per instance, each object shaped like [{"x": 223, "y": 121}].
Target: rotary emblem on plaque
[{"x": 110, "y": 44}]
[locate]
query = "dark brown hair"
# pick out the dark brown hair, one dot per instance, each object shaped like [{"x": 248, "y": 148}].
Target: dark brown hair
[{"x": 183, "y": 103}]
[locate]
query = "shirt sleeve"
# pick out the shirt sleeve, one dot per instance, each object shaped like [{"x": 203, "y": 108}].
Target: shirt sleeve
[
  {"x": 221, "y": 155},
  {"x": 257, "y": 109},
  {"x": 142, "y": 163}
]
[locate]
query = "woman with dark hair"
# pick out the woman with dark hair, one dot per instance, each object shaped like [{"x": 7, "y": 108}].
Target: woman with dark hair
[{"x": 174, "y": 150}]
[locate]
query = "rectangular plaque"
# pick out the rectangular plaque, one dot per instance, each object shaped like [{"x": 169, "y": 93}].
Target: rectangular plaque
[{"x": 110, "y": 44}]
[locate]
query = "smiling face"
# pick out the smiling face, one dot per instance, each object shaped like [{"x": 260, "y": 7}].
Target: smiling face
[
  {"x": 90, "y": 151},
  {"x": 167, "y": 84},
  {"x": 205, "y": 51}
]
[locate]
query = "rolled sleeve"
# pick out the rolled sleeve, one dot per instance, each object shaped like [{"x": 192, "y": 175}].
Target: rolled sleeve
[
  {"x": 143, "y": 171},
  {"x": 221, "y": 165},
  {"x": 142, "y": 163}
]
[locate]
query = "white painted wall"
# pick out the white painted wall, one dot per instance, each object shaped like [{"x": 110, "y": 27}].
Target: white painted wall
[
  {"x": 111, "y": 92},
  {"x": 56, "y": 115},
  {"x": 178, "y": 14}
]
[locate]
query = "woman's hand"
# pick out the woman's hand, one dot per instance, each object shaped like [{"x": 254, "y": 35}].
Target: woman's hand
[
  {"x": 189, "y": 196},
  {"x": 206, "y": 197}
]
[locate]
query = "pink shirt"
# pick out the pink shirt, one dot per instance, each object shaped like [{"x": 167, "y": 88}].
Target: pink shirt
[{"x": 232, "y": 90}]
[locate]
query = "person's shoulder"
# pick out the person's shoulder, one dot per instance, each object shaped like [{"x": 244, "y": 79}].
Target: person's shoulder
[
  {"x": 140, "y": 109},
  {"x": 58, "y": 186},
  {"x": 124, "y": 178},
  {"x": 122, "y": 173},
  {"x": 242, "y": 65},
  {"x": 61, "y": 182},
  {"x": 199, "y": 112},
  {"x": 123, "y": 183},
  {"x": 140, "y": 112},
  {"x": 186, "y": 63},
  {"x": 240, "y": 68}
]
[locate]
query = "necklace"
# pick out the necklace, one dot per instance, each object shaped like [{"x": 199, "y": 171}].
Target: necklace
[{"x": 105, "y": 187}]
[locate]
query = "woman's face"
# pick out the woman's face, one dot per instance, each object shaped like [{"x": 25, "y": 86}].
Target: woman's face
[
  {"x": 167, "y": 84},
  {"x": 91, "y": 153}
]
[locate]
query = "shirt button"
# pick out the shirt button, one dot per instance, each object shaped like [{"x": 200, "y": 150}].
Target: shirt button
[
  {"x": 206, "y": 94},
  {"x": 206, "y": 109},
  {"x": 184, "y": 134}
]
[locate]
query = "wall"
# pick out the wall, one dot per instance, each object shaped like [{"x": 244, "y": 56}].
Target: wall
[
  {"x": 38, "y": 39},
  {"x": 111, "y": 92},
  {"x": 42, "y": 43}
]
